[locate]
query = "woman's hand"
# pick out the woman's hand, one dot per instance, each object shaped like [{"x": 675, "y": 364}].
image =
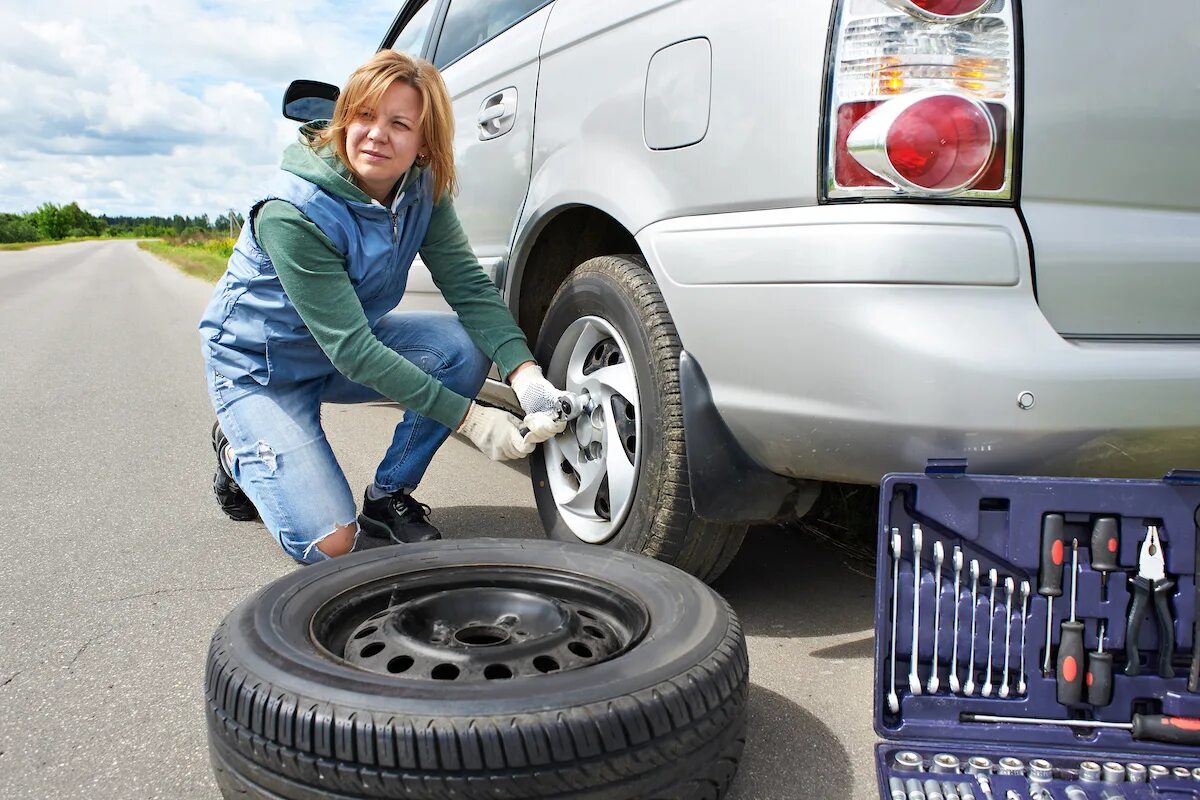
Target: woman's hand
[
  {"x": 535, "y": 393},
  {"x": 496, "y": 433}
]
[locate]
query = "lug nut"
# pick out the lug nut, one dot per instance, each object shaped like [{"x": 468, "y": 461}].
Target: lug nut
[
  {"x": 1135, "y": 773},
  {"x": 907, "y": 761},
  {"x": 944, "y": 764},
  {"x": 979, "y": 765},
  {"x": 1089, "y": 772},
  {"x": 1011, "y": 766},
  {"x": 1113, "y": 772}
]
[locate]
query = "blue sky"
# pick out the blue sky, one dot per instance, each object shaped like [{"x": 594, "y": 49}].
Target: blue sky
[{"x": 163, "y": 107}]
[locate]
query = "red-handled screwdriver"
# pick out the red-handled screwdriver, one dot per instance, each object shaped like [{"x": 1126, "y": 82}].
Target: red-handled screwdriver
[
  {"x": 1050, "y": 574},
  {"x": 1105, "y": 550},
  {"x": 1099, "y": 674},
  {"x": 1069, "y": 677},
  {"x": 1145, "y": 727}
]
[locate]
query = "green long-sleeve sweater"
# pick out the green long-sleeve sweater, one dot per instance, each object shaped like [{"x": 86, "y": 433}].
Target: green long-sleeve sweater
[{"x": 313, "y": 275}]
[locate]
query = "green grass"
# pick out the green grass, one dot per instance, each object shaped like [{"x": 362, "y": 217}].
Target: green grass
[
  {"x": 50, "y": 242},
  {"x": 204, "y": 260}
]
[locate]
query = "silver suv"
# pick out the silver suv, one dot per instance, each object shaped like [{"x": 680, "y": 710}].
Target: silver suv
[{"x": 788, "y": 242}]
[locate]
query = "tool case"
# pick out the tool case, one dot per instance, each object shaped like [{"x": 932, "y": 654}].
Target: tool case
[{"x": 980, "y": 642}]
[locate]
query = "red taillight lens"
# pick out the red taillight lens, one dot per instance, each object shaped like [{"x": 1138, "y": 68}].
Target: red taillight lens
[
  {"x": 950, "y": 8},
  {"x": 941, "y": 142}
]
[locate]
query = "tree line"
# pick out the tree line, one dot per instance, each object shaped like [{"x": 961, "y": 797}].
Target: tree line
[{"x": 52, "y": 222}]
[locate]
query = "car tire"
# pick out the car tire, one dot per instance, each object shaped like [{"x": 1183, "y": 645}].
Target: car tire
[
  {"x": 649, "y": 703},
  {"x": 618, "y": 298}
]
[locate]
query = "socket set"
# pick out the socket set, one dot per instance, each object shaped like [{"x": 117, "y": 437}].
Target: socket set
[
  {"x": 1048, "y": 626},
  {"x": 976, "y": 776}
]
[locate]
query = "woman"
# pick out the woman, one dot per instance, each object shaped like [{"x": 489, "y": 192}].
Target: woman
[{"x": 304, "y": 315}]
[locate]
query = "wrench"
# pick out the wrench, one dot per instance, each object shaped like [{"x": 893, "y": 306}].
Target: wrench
[
  {"x": 939, "y": 556},
  {"x": 958, "y": 564},
  {"x": 970, "y": 687},
  {"x": 914, "y": 680},
  {"x": 1021, "y": 688},
  {"x": 893, "y": 700},
  {"x": 1009, "y": 585},
  {"x": 987, "y": 684}
]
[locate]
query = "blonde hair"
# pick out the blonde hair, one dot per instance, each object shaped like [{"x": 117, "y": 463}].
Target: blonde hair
[{"x": 365, "y": 89}]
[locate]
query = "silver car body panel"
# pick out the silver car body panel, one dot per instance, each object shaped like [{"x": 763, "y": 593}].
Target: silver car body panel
[
  {"x": 852, "y": 379},
  {"x": 845, "y": 341},
  {"x": 1111, "y": 172}
]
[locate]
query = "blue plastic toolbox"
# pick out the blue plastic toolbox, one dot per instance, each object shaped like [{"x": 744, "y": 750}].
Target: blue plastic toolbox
[{"x": 980, "y": 563}]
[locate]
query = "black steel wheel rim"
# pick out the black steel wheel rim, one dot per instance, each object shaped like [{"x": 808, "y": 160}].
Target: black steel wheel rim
[{"x": 474, "y": 624}]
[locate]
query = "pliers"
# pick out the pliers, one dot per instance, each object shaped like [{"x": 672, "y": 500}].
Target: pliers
[{"x": 1151, "y": 580}]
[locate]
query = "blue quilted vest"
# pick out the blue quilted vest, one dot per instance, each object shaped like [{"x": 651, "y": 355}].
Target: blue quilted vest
[{"x": 251, "y": 328}]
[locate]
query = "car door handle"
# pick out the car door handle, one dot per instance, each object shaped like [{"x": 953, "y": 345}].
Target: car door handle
[
  {"x": 498, "y": 113},
  {"x": 492, "y": 113}
]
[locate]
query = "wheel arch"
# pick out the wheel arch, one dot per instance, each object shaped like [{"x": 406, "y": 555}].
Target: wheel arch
[{"x": 555, "y": 241}]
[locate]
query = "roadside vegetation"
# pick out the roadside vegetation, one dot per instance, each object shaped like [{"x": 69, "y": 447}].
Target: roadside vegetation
[
  {"x": 197, "y": 245},
  {"x": 199, "y": 254}
]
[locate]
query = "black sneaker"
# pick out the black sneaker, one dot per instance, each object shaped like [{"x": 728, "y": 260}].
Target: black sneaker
[
  {"x": 366, "y": 541},
  {"x": 399, "y": 517},
  {"x": 230, "y": 497}
]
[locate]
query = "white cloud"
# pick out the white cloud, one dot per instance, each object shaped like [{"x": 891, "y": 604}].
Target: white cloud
[{"x": 131, "y": 107}]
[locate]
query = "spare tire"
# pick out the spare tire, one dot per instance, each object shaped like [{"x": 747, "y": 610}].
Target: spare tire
[{"x": 479, "y": 669}]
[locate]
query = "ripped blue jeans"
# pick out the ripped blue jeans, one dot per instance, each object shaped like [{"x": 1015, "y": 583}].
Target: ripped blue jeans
[{"x": 282, "y": 459}]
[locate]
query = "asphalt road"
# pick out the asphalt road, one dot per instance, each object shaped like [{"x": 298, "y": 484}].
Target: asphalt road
[{"x": 117, "y": 565}]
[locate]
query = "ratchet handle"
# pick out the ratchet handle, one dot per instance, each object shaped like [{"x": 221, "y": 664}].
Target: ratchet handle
[{"x": 1161, "y": 728}]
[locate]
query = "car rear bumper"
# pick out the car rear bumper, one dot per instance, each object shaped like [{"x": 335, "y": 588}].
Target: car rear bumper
[{"x": 845, "y": 342}]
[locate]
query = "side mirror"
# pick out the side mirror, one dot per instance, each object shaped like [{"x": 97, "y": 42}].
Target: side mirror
[{"x": 305, "y": 101}]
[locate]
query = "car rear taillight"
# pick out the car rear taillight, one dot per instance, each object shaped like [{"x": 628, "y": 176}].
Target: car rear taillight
[
  {"x": 922, "y": 98},
  {"x": 942, "y": 10}
]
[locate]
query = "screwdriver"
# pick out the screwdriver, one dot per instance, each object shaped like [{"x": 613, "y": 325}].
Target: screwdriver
[
  {"x": 1106, "y": 547},
  {"x": 1050, "y": 574},
  {"x": 1099, "y": 674},
  {"x": 1145, "y": 727},
  {"x": 1069, "y": 677}
]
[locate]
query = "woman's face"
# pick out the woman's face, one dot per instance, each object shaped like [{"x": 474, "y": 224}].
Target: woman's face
[{"x": 383, "y": 143}]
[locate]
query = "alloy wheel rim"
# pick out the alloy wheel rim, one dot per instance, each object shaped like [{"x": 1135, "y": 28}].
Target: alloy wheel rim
[{"x": 592, "y": 467}]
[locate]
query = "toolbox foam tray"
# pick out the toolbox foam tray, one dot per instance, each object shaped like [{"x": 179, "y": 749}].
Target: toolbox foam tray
[{"x": 997, "y": 520}]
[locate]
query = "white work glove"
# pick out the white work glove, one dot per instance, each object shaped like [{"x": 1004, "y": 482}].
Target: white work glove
[
  {"x": 535, "y": 393},
  {"x": 542, "y": 426},
  {"x": 495, "y": 433}
]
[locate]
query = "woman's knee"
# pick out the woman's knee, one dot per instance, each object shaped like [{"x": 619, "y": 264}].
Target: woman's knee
[
  {"x": 326, "y": 544},
  {"x": 466, "y": 366}
]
